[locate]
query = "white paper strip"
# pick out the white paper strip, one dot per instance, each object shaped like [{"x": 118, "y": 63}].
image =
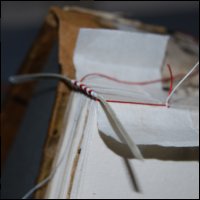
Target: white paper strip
[{"x": 125, "y": 55}]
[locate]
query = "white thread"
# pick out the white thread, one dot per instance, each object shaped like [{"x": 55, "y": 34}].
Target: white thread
[
  {"x": 88, "y": 90},
  {"x": 94, "y": 94},
  {"x": 179, "y": 84},
  {"x": 109, "y": 112},
  {"x": 46, "y": 180}
]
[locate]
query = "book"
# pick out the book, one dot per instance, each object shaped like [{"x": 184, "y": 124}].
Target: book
[{"x": 92, "y": 161}]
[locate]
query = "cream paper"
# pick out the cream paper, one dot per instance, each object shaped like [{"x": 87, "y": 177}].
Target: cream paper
[
  {"x": 134, "y": 57},
  {"x": 104, "y": 169}
]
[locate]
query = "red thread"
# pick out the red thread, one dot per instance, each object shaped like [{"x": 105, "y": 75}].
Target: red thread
[
  {"x": 180, "y": 75},
  {"x": 149, "y": 104},
  {"x": 83, "y": 87},
  {"x": 171, "y": 78},
  {"x": 134, "y": 102},
  {"x": 122, "y": 81},
  {"x": 90, "y": 91},
  {"x": 129, "y": 82}
]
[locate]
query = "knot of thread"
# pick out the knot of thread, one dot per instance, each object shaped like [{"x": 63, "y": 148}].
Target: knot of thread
[{"x": 85, "y": 89}]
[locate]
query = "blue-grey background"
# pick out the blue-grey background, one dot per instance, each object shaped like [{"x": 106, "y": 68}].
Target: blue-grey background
[{"x": 20, "y": 23}]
